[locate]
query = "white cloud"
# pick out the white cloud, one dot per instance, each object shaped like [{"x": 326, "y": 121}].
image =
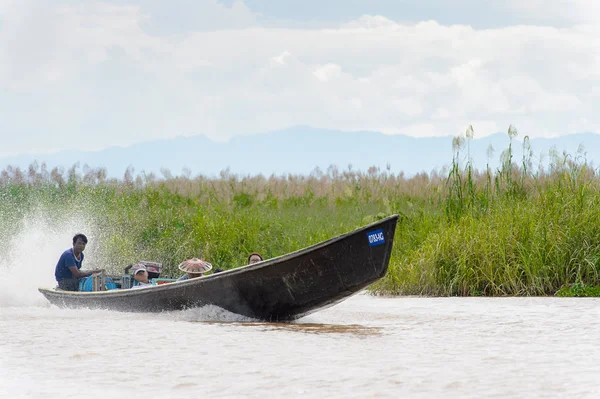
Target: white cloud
[
  {"x": 370, "y": 22},
  {"x": 573, "y": 11},
  {"x": 89, "y": 75},
  {"x": 280, "y": 59},
  {"x": 185, "y": 16},
  {"x": 327, "y": 72},
  {"x": 41, "y": 44}
]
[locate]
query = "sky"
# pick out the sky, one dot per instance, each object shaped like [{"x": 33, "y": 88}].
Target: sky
[{"x": 86, "y": 75}]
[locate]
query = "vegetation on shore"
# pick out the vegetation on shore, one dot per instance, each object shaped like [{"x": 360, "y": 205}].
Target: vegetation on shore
[{"x": 515, "y": 230}]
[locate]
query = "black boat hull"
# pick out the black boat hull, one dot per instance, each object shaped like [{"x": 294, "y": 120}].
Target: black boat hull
[{"x": 278, "y": 289}]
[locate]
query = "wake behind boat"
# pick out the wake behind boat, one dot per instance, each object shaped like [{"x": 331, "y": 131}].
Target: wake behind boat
[{"x": 283, "y": 288}]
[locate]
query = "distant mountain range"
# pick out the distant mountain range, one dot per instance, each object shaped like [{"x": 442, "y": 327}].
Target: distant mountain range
[{"x": 300, "y": 150}]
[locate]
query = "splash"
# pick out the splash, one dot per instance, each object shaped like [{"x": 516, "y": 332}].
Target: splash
[
  {"x": 27, "y": 262},
  {"x": 28, "y": 259},
  {"x": 207, "y": 313},
  {"x": 29, "y": 256}
]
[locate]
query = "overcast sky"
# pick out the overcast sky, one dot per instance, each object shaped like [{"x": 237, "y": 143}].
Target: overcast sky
[{"x": 88, "y": 75}]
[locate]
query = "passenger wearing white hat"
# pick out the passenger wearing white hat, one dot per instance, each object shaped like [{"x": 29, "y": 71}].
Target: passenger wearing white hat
[
  {"x": 194, "y": 268},
  {"x": 140, "y": 274}
]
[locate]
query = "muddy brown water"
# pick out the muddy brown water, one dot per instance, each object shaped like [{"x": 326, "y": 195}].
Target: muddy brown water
[{"x": 364, "y": 347}]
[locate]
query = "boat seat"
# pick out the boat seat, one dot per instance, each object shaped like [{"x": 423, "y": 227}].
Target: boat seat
[{"x": 98, "y": 282}]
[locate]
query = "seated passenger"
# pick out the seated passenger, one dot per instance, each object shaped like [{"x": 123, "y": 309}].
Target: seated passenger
[
  {"x": 194, "y": 268},
  {"x": 254, "y": 257},
  {"x": 140, "y": 274}
]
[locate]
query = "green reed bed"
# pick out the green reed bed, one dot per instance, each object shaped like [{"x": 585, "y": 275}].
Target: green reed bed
[
  {"x": 514, "y": 230},
  {"x": 508, "y": 232},
  {"x": 170, "y": 221}
]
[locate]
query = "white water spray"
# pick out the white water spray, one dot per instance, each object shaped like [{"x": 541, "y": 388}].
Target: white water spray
[
  {"x": 32, "y": 253},
  {"x": 30, "y": 256}
]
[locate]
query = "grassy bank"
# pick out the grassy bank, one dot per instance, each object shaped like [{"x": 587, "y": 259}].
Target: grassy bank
[{"x": 515, "y": 230}]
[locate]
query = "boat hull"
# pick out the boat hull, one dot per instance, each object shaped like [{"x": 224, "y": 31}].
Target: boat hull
[{"x": 278, "y": 289}]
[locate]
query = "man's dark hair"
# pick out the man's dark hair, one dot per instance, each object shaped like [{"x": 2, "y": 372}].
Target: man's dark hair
[{"x": 82, "y": 236}]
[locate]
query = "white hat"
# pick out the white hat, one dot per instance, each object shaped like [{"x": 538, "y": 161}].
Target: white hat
[
  {"x": 138, "y": 267},
  {"x": 195, "y": 265}
]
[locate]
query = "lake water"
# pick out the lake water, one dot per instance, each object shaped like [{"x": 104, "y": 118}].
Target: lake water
[{"x": 364, "y": 347}]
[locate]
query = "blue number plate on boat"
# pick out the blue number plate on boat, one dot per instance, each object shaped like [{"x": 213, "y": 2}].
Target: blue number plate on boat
[{"x": 376, "y": 237}]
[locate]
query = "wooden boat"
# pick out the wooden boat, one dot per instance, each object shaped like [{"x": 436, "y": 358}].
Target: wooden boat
[{"x": 283, "y": 288}]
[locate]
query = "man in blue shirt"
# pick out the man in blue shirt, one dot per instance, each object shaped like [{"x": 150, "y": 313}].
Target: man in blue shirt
[{"x": 67, "y": 271}]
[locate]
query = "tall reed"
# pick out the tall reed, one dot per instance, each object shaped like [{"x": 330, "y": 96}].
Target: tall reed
[{"x": 514, "y": 230}]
